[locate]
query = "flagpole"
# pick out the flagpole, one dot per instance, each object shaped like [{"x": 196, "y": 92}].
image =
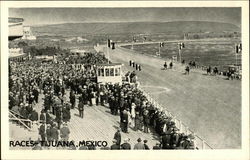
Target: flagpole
[
  {"x": 132, "y": 42},
  {"x": 160, "y": 49},
  {"x": 108, "y": 49},
  {"x": 179, "y": 48},
  {"x": 180, "y": 54},
  {"x": 235, "y": 54}
]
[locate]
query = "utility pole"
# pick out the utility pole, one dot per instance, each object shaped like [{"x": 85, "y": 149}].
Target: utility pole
[
  {"x": 180, "y": 46},
  {"x": 108, "y": 45},
  {"x": 238, "y": 49},
  {"x": 236, "y": 54},
  {"x": 180, "y": 54},
  {"x": 159, "y": 50}
]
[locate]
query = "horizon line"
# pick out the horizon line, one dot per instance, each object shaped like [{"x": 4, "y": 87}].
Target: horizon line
[{"x": 82, "y": 22}]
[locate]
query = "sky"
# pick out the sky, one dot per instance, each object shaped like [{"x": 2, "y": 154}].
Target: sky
[{"x": 40, "y": 16}]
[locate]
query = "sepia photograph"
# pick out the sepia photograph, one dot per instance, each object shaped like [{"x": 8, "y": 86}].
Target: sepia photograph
[{"x": 125, "y": 78}]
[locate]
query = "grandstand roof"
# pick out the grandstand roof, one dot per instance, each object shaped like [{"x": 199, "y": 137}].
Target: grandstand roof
[{"x": 15, "y": 20}]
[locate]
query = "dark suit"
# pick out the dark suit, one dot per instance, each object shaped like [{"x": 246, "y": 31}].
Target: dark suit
[
  {"x": 126, "y": 146},
  {"x": 118, "y": 138},
  {"x": 33, "y": 116},
  {"x": 48, "y": 133},
  {"x": 124, "y": 122},
  {"x": 42, "y": 132},
  {"x": 166, "y": 141},
  {"x": 54, "y": 134},
  {"x": 115, "y": 147},
  {"x": 81, "y": 108},
  {"x": 156, "y": 148}
]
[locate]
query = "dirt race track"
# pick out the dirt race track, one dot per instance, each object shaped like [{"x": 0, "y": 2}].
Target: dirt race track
[{"x": 209, "y": 105}]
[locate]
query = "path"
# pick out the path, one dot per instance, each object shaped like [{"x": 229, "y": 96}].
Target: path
[{"x": 209, "y": 105}]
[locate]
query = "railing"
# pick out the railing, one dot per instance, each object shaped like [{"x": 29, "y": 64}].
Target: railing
[
  {"x": 200, "y": 143},
  {"x": 20, "y": 119}
]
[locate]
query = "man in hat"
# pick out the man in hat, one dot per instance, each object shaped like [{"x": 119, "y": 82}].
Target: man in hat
[
  {"x": 33, "y": 116},
  {"x": 54, "y": 133},
  {"x": 115, "y": 146},
  {"x": 64, "y": 131},
  {"x": 116, "y": 105},
  {"x": 165, "y": 141},
  {"x": 139, "y": 145},
  {"x": 124, "y": 121},
  {"x": 42, "y": 131},
  {"x": 42, "y": 116},
  {"x": 126, "y": 145},
  {"x": 111, "y": 104},
  {"x": 157, "y": 146},
  {"x": 16, "y": 108},
  {"x": 174, "y": 138},
  {"x": 29, "y": 108},
  {"x": 146, "y": 121},
  {"x": 24, "y": 112},
  {"x": 72, "y": 98},
  {"x": 66, "y": 113},
  {"x": 192, "y": 144},
  {"x": 36, "y": 94},
  {"x": 137, "y": 121},
  {"x": 48, "y": 132},
  {"x": 117, "y": 136},
  {"x": 145, "y": 145},
  {"x": 81, "y": 107}
]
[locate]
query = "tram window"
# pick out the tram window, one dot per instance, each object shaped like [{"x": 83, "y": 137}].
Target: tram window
[
  {"x": 102, "y": 72},
  {"x": 107, "y": 72},
  {"x": 111, "y": 71},
  {"x": 117, "y": 72},
  {"x": 99, "y": 72}
]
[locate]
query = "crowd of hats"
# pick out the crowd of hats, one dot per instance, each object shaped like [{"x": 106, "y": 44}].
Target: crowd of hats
[
  {"x": 88, "y": 58},
  {"x": 164, "y": 126},
  {"x": 27, "y": 76}
]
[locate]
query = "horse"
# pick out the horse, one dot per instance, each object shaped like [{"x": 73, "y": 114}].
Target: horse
[
  {"x": 215, "y": 71},
  {"x": 209, "y": 70}
]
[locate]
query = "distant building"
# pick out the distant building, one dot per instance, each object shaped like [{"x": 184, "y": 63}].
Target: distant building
[
  {"x": 27, "y": 34},
  {"x": 76, "y": 39},
  {"x": 13, "y": 52},
  {"x": 70, "y": 39},
  {"x": 15, "y": 32},
  {"x": 80, "y": 39},
  {"x": 77, "y": 51},
  {"x": 17, "y": 54},
  {"x": 15, "y": 28}
]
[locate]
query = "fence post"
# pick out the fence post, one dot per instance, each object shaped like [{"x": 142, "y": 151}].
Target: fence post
[
  {"x": 174, "y": 120},
  {"x": 203, "y": 144},
  {"x": 180, "y": 126},
  {"x": 186, "y": 130}
]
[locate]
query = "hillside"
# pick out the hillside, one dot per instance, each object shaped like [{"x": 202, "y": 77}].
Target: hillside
[{"x": 134, "y": 27}]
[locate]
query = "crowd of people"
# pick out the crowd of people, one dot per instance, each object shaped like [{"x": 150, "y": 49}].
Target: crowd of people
[{"x": 28, "y": 80}]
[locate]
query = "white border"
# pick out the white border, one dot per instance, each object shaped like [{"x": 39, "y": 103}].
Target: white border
[{"x": 231, "y": 154}]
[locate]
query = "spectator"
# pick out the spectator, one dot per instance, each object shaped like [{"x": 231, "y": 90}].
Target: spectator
[
  {"x": 64, "y": 131},
  {"x": 115, "y": 146},
  {"x": 126, "y": 145},
  {"x": 117, "y": 137},
  {"x": 139, "y": 145},
  {"x": 157, "y": 146},
  {"x": 145, "y": 145}
]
